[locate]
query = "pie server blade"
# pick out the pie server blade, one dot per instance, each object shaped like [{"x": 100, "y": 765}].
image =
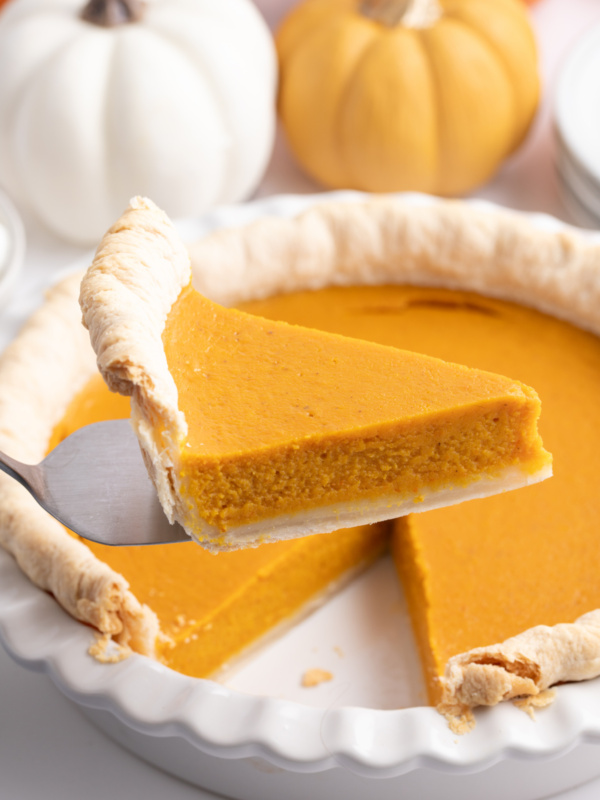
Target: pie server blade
[{"x": 95, "y": 483}]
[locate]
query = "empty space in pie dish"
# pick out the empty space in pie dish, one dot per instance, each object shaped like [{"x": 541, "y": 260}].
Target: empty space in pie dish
[{"x": 386, "y": 674}]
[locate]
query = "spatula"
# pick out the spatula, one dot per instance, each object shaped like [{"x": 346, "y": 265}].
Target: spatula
[{"x": 96, "y": 484}]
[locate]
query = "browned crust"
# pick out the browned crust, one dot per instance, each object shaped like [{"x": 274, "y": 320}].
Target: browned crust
[
  {"x": 524, "y": 666},
  {"x": 39, "y": 373}
]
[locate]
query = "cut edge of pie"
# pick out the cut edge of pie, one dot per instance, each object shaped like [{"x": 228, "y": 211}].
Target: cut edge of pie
[{"x": 346, "y": 515}]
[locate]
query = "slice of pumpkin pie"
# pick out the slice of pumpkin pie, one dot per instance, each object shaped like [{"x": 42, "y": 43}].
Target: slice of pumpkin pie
[{"x": 254, "y": 430}]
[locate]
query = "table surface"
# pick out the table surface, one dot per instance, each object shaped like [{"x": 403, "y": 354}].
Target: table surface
[{"x": 47, "y": 748}]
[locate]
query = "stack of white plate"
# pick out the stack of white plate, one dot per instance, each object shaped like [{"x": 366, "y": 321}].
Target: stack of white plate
[{"x": 577, "y": 121}]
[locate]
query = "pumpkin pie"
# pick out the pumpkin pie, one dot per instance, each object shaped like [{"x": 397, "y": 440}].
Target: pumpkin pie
[
  {"x": 369, "y": 248},
  {"x": 256, "y": 430}
]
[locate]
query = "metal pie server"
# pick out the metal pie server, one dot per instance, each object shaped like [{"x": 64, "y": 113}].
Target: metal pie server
[{"x": 95, "y": 482}]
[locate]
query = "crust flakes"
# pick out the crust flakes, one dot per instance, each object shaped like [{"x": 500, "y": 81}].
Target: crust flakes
[{"x": 315, "y": 677}]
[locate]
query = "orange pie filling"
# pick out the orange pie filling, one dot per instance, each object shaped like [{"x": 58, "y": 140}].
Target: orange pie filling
[{"x": 282, "y": 419}]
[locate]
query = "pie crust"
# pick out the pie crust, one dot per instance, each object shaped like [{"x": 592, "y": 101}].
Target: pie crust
[
  {"x": 524, "y": 666},
  {"x": 444, "y": 244},
  {"x": 39, "y": 372}
]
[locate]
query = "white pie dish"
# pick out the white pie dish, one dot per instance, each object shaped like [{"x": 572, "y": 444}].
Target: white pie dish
[{"x": 259, "y": 747}]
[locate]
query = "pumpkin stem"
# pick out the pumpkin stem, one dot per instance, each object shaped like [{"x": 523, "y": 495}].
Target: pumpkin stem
[
  {"x": 410, "y": 13},
  {"x": 110, "y": 13}
]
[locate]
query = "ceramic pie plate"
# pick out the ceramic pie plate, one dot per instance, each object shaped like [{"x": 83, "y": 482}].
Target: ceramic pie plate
[{"x": 260, "y": 735}]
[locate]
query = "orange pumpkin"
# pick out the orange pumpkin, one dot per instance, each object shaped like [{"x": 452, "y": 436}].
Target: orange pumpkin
[{"x": 385, "y": 95}]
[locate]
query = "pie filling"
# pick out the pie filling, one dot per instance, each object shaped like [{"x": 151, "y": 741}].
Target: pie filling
[{"x": 282, "y": 420}]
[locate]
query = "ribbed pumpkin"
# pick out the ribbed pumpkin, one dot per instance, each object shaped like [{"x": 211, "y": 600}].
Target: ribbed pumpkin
[
  {"x": 385, "y": 95},
  {"x": 105, "y": 99}
]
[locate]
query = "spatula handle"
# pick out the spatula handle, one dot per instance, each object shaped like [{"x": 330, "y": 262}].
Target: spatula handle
[{"x": 29, "y": 476}]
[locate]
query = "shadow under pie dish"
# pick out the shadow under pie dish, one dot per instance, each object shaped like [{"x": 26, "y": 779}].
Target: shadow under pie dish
[{"x": 393, "y": 307}]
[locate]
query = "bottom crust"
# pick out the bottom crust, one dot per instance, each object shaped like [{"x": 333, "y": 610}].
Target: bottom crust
[{"x": 349, "y": 515}]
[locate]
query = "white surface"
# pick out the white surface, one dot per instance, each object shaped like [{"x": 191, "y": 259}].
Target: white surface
[{"x": 46, "y": 747}]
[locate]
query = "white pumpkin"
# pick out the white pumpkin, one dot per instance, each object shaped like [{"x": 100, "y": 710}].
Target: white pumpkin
[{"x": 177, "y": 105}]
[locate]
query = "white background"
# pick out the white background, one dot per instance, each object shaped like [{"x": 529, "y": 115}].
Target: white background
[{"x": 47, "y": 749}]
